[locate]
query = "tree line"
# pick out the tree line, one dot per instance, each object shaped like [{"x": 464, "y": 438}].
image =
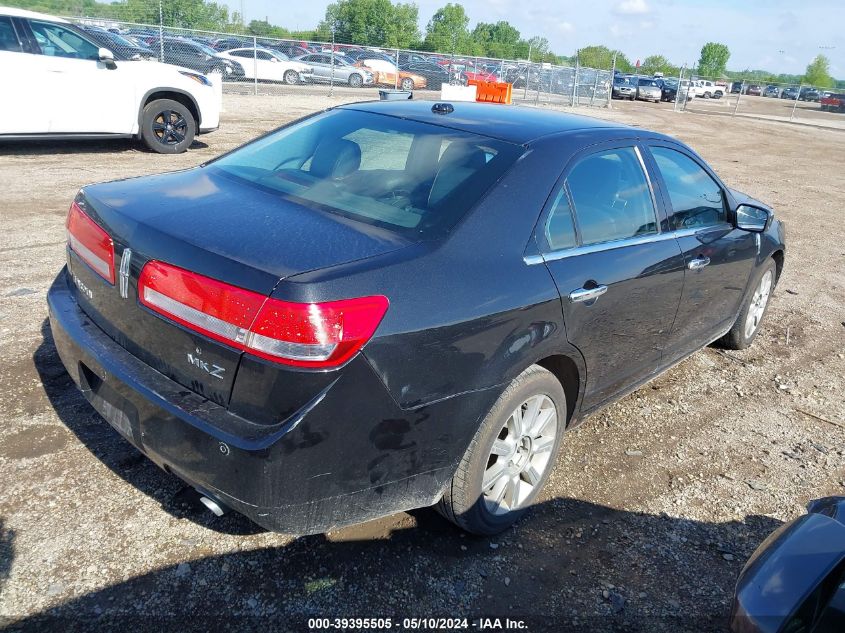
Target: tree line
[{"x": 384, "y": 23}]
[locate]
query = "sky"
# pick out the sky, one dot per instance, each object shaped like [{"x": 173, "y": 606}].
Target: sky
[{"x": 776, "y": 35}]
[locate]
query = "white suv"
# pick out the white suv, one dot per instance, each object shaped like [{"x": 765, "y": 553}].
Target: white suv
[{"x": 58, "y": 83}]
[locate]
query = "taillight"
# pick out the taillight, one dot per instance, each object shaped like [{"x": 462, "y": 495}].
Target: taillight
[
  {"x": 323, "y": 334},
  {"x": 90, "y": 242}
]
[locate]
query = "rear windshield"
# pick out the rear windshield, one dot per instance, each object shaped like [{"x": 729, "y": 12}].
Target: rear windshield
[{"x": 414, "y": 178}]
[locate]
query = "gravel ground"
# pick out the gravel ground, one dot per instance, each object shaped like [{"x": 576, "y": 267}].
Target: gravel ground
[{"x": 653, "y": 507}]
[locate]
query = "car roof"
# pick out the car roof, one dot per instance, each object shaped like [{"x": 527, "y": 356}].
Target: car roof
[
  {"x": 516, "y": 124},
  {"x": 23, "y": 13}
]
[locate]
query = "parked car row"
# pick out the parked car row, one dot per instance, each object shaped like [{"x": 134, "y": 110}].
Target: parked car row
[{"x": 239, "y": 58}]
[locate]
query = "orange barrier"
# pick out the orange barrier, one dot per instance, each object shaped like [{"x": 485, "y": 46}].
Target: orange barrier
[{"x": 492, "y": 91}]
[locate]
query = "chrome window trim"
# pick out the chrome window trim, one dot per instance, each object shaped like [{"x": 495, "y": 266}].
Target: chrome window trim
[
  {"x": 554, "y": 256},
  {"x": 650, "y": 187}
]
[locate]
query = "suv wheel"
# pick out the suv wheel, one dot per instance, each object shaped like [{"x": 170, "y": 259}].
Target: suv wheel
[
  {"x": 510, "y": 457},
  {"x": 747, "y": 324},
  {"x": 291, "y": 77},
  {"x": 356, "y": 80},
  {"x": 167, "y": 126}
]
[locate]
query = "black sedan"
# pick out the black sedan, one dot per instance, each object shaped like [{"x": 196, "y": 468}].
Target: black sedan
[
  {"x": 392, "y": 305},
  {"x": 435, "y": 74},
  {"x": 668, "y": 89},
  {"x": 196, "y": 56},
  {"x": 119, "y": 45}
]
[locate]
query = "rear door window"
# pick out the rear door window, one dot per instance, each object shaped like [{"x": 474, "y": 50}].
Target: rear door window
[
  {"x": 697, "y": 200},
  {"x": 611, "y": 196}
]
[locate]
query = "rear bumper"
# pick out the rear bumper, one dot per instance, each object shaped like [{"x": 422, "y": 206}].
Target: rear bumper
[{"x": 349, "y": 455}]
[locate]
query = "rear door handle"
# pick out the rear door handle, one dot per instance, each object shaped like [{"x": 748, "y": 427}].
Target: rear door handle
[
  {"x": 698, "y": 263},
  {"x": 586, "y": 294}
]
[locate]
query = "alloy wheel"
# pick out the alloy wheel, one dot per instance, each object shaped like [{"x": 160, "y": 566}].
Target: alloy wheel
[
  {"x": 169, "y": 127},
  {"x": 520, "y": 455},
  {"x": 758, "y": 304}
]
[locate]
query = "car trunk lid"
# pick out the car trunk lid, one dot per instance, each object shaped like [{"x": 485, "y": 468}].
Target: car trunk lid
[{"x": 216, "y": 227}]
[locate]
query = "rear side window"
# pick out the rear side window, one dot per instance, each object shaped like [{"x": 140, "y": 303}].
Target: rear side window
[
  {"x": 696, "y": 198},
  {"x": 8, "y": 37},
  {"x": 560, "y": 228},
  {"x": 411, "y": 177},
  {"x": 57, "y": 41},
  {"x": 611, "y": 197}
]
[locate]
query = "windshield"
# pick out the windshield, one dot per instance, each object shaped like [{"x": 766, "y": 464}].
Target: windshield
[
  {"x": 649, "y": 82},
  {"x": 622, "y": 81},
  {"x": 410, "y": 177}
]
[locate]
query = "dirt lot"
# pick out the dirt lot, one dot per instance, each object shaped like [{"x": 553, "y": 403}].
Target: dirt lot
[{"x": 652, "y": 509}]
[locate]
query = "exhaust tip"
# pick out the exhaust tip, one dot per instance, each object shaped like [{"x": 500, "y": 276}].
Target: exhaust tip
[{"x": 217, "y": 508}]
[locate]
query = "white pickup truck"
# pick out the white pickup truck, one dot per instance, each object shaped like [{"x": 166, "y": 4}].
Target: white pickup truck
[{"x": 708, "y": 90}]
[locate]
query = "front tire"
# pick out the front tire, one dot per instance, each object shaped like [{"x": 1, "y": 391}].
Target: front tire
[
  {"x": 747, "y": 324},
  {"x": 407, "y": 84},
  {"x": 510, "y": 458},
  {"x": 291, "y": 77},
  {"x": 355, "y": 80},
  {"x": 167, "y": 126}
]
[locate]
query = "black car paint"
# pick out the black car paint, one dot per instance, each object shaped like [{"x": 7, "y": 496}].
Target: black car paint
[
  {"x": 303, "y": 450},
  {"x": 795, "y": 580},
  {"x": 121, "y": 51},
  {"x": 189, "y": 55}
]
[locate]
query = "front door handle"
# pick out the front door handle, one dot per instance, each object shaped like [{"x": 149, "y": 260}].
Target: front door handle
[
  {"x": 698, "y": 263},
  {"x": 586, "y": 294}
]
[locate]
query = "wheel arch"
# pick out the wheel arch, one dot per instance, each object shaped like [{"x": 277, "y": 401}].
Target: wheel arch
[
  {"x": 569, "y": 374},
  {"x": 778, "y": 256},
  {"x": 169, "y": 93}
]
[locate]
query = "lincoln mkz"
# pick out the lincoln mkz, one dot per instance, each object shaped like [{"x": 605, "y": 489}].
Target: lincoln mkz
[{"x": 391, "y": 305}]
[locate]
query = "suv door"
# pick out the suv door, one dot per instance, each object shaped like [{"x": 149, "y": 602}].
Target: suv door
[
  {"x": 718, "y": 256},
  {"x": 619, "y": 273},
  {"x": 83, "y": 94},
  {"x": 23, "y": 107}
]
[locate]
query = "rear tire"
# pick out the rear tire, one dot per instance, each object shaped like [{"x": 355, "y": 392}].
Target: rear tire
[
  {"x": 167, "y": 126},
  {"x": 510, "y": 458},
  {"x": 750, "y": 318}
]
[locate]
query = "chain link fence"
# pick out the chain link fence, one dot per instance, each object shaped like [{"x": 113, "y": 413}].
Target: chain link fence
[
  {"x": 271, "y": 66},
  {"x": 263, "y": 65}
]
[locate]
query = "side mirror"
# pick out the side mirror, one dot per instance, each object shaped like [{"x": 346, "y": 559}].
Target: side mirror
[
  {"x": 107, "y": 57},
  {"x": 749, "y": 218}
]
